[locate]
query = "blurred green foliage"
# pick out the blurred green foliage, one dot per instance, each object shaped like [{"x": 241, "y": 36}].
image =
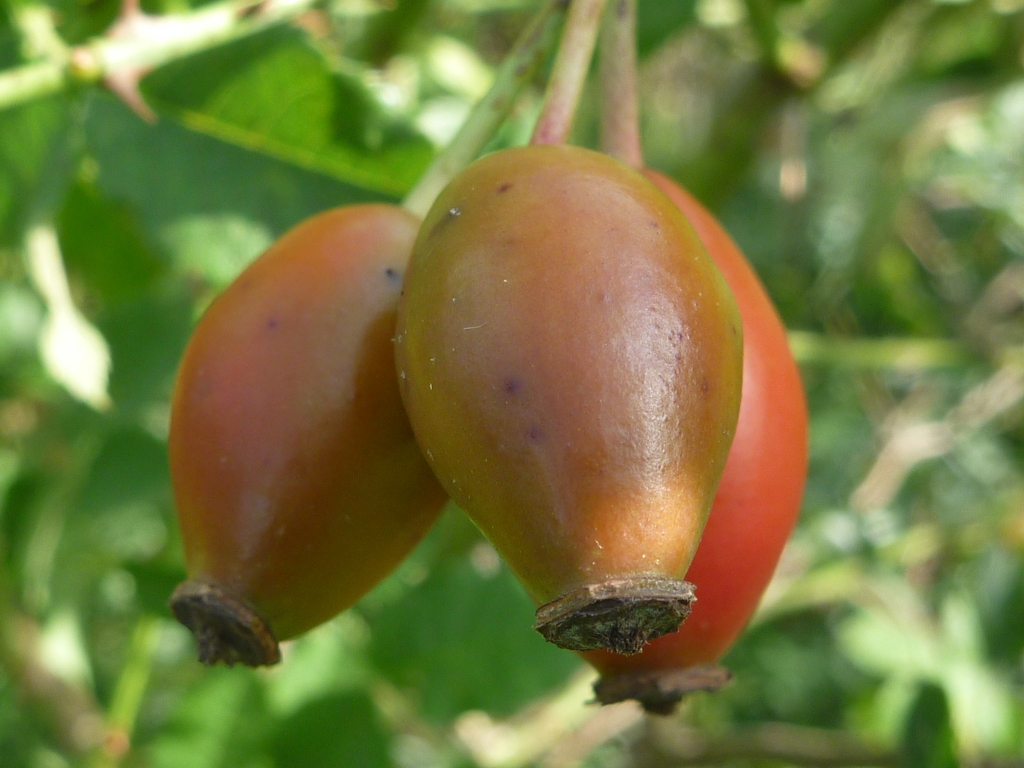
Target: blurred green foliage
[{"x": 869, "y": 158}]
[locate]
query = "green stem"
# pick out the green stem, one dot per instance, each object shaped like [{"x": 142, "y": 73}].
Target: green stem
[
  {"x": 569, "y": 73},
  {"x": 891, "y": 353},
  {"x": 514, "y": 73},
  {"x": 128, "y": 694},
  {"x": 762, "y": 18},
  {"x": 763, "y": 743},
  {"x": 620, "y": 110},
  {"x": 164, "y": 39},
  {"x": 32, "y": 81}
]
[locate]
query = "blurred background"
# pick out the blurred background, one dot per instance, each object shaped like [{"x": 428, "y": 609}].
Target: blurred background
[{"x": 868, "y": 156}]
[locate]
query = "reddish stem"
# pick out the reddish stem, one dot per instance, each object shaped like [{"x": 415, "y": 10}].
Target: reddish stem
[
  {"x": 620, "y": 113},
  {"x": 575, "y": 51}
]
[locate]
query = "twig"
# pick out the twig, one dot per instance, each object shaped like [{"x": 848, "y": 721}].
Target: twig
[
  {"x": 166, "y": 39},
  {"x": 620, "y": 111},
  {"x": 671, "y": 745},
  {"x": 890, "y": 353},
  {"x": 515, "y": 72},
  {"x": 914, "y": 443},
  {"x": 569, "y": 72},
  {"x": 528, "y": 735},
  {"x": 128, "y": 695},
  {"x": 68, "y": 712}
]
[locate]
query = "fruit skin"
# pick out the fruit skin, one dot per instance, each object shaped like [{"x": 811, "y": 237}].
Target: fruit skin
[
  {"x": 759, "y": 497},
  {"x": 298, "y": 482},
  {"x": 570, "y": 360}
]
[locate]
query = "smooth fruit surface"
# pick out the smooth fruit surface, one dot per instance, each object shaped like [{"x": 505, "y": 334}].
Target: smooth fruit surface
[
  {"x": 570, "y": 360},
  {"x": 759, "y": 497},
  {"x": 298, "y": 482}
]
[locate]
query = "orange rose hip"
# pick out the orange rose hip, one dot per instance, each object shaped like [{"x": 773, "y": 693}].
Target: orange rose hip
[
  {"x": 298, "y": 482},
  {"x": 757, "y": 502},
  {"x": 570, "y": 359}
]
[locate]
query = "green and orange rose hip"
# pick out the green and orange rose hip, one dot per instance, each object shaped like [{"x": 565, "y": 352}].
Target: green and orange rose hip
[
  {"x": 571, "y": 363},
  {"x": 298, "y": 482}
]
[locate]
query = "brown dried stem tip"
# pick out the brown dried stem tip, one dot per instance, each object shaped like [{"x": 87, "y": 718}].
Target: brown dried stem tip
[
  {"x": 226, "y": 628},
  {"x": 620, "y": 615},
  {"x": 659, "y": 691}
]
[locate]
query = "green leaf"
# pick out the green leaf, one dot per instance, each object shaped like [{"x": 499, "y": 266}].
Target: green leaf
[
  {"x": 154, "y": 583},
  {"x": 928, "y": 737},
  {"x": 17, "y": 732},
  {"x": 657, "y": 20},
  {"x": 28, "y": 136},
  {"x": 790, "y": 670},
  {"x": 958, "y": 37},
  {"x": 21, "y": 319},
  {"x": 103, "y": 245},
  {"x": 210, "y": 206},
  {"x": 323, "y": 662},
  {"x": 1000, "y": 594},
  {"x": 337, "y": 730},
  {"x": 219, "y": 723},
  {"x": 463, "y": 639},
  {"x": 147, "y": 337},
  {"x": 877, "y": 643},
  {"x": 275, "y": 94},
  {"x": 217, "y": 246}
]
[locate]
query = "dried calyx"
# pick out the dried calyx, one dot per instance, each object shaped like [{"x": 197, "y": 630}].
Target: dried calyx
[{"x": 226, "y": 628}]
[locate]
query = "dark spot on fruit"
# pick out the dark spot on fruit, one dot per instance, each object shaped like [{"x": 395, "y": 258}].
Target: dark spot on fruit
[
  {"x": 392, "y": 274},
  {"x": 536, "y": 434},
  {"x": 513, "y": 385},
  {"x": 504, "y": 188},
  {"x": 272, "y": 323},
  {"x": 655, "y": 224}
]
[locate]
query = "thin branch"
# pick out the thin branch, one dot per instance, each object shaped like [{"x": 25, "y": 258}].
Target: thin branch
[
  {"x": 128, "y": 695},
  {"x": 887, "y": 353},
  {"x": 673, "y": 746},
  {"x": 569, "y": 73},
  {"x": 164, "y": 40},
  {"x": 513, "y": 75},
  {"x": 69, "y": 712},
  {"x": 914, "y": 443},
  {"x": 620, "y": 111}
]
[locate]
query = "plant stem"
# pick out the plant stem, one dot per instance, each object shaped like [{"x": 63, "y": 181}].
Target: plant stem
[
  {"x": 128, "y": 695},
  {"x": 515, "y": 72},
  {"x": 165, "y": 39},
  {"x": 889, "y": 353},
  {"x": 620, "y": 110},
  {"x": 762, "y": 18},
  {"x": 669, "y": 747},
  {"x": 569, "y": 73}
]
